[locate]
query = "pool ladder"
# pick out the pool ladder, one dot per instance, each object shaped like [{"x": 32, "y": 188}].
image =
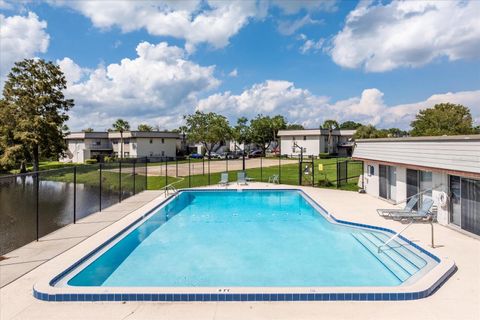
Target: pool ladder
[{"x": 169, "y": 188}]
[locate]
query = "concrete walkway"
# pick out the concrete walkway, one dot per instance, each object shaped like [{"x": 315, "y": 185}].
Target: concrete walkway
[
  {"x": 32, "y": 255},
  {"x": 458, "y": 298}
]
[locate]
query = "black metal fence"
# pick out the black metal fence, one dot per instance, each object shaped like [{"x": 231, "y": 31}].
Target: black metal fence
[
  {"x": 34, "y": 204},
  {"x": 285, "y": 169}
]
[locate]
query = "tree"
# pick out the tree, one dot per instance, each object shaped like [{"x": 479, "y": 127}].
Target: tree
[
  {"x": 294, "y": 126},
  {"x": 34, "y": 112},
  {"x": 396, "y": 132},
  {"x": 144, "y": 127},
  {"x": 443, "y": 119},
  {"x": 330, "y": 125},
  {"x": 349, "y": 125},
  {"x": 241, "y": 132},
  {"x": 208, "y": 129},
  {"x": 264, "y": 130},
  {"x": 88, "y": 130},
  {"x": 121, "y": 126},
  {"x": 369, "y": 132}
]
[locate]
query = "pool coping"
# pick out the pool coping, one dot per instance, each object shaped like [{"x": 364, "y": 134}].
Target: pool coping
[{"x": 44, "y": 289}]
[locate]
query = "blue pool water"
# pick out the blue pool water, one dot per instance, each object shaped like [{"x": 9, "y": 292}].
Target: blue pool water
[{"x": 249, "y": 238}]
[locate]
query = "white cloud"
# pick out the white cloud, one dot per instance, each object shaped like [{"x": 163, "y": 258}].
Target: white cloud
[
  {"x": 311, "y": 45},
  {"x": 233, "y": 73},
  {"x": 292, "y": 7},
  {"x": 380, "y": 37},
  {"x": 288, "y": 28},
  {"x": 21, "y": 37},
  {"x": 197, "y": 22},
  {"x": 159, "y": 86},
  {"x": 301, "y": 106}
]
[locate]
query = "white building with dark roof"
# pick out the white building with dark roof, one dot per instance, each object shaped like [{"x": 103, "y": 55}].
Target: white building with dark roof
[
  {"x": 316, "y": 141},
  {"x": 445, "y": 168},
  {"x": 92, "y": 145}
]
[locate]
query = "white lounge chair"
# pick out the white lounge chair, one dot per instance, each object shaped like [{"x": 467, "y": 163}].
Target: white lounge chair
[
  {"x": 423, "y": 213},
  {"x": 223, "y": 179},
  {"x": 242, "y": 178},
  {"x": 387, "y": 213},
  {"x": 273, "y": 179}
]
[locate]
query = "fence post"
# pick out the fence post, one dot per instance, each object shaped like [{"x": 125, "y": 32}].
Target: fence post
[
  {"x": 189, "y": 175},
  {"x": 74, "y": 194},
  {"x": 279, "y": 168},
  {"x": 120, "y": 180},
  {"x": 299, "y": 172},
  {"x": 338, "y": 172},
  {"x": 208, "y": 170},
  {"x": 313, "y": 171},
  {"x": 166, "y": 169},
  {"x": 203, "y": 165},
  {"x": 226, "y": 162},
  {"x": 176, "y": 167},
  {"x": 146, "y": 173},
  {"x": 100, "y": 189},
  {"x": 363, "y": 175},
  {"x": 37, "y": 183},
  {"x": 134, "y": 186},
  {"x": 261, "y": 169}
]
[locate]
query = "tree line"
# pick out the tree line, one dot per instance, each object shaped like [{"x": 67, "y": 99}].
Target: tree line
[{"x": 34, "y": 112}]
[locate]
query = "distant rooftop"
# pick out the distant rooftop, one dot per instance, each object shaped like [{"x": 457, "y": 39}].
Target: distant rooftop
[
  {"x": 316, "y": 132},
  {"x": 126, "y": 134}
]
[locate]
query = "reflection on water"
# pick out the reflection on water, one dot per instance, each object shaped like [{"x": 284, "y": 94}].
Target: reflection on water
[{"x": 18, "y": 199}]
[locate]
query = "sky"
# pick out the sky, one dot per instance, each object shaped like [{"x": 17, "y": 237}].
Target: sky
[{"x": 374, "y": 62}]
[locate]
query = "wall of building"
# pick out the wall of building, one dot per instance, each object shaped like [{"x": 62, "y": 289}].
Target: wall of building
[
  {"x": 141, "y": 147},
  {"x": 439, "y": 185},
  {"x": 75, "y": 151},
  {"x": 312, "y": 145}
]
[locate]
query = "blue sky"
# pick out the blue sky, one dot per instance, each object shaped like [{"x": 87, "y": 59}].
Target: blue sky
[{"x": 154, "y": 61}]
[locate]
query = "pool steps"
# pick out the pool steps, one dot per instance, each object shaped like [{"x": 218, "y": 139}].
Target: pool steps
[{"x": 399, "y": 260}]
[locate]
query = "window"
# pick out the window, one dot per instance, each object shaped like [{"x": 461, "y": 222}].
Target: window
[
  {"x": 163, "y": 153},
  {"x": 151, "y": 141},
  {"x": 293, "y": 138},
  {"x": 304, "y": 150},
  {"x": 304, "y": 137},
  {"x": 126, "y": 154},
  {"x": 163, "y": 140},
  {"x": 114, "y": 141},
  {"x": 97, "y": 143},
  {"x": 126, "y": 141},
  {"x": 370, "y": 170}
]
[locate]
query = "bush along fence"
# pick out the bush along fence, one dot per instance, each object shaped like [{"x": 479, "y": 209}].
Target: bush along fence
[
  {"x": 35, "y": 204},
  {"x": 340, "y": 173}
]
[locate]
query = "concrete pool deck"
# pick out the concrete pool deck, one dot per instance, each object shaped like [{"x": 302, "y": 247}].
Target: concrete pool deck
[{"x": 458, "y": 298}]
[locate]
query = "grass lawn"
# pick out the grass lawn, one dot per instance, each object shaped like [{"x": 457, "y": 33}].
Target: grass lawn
[
  {"x": 89, "y": 174},
  {"x": 288, "y": 175}
]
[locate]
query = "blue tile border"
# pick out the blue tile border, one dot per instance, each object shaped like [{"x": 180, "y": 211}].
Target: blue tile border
[{"x": 183, "y": 297}]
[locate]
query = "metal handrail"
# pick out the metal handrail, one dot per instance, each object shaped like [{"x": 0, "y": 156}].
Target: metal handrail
[{"x": 396, "y": 235}]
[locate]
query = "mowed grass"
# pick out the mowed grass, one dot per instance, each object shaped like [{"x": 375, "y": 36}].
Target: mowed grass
[{"x": 287, "y": 173}]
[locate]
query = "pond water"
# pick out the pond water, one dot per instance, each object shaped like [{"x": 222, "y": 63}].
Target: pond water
[{"x": 18, "y": 199}]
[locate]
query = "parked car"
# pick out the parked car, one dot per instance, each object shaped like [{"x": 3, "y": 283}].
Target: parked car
[
  {"x": 255, "y": 154},
  {"x": 233, "y": 155},
  {"x": 196, "y": 156},
  {"x": 215, "y": 155}
]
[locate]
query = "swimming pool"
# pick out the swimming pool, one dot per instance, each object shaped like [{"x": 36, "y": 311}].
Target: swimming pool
[{"x": 228, "y": 240}]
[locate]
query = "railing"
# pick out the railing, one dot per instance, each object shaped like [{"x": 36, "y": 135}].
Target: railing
[
  {"x": 35, "y": 204},
  {"x": 396, "y": 235}
]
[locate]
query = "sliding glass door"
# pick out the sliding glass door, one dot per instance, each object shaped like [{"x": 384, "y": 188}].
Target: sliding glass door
[
  {"x": 419, "y": 183},
  {"x": 465, "y": 203},
  {"x": 388, "y": 182}
]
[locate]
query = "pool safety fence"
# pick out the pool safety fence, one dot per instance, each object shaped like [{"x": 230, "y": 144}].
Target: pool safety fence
[{"x": 35, "y": 204}]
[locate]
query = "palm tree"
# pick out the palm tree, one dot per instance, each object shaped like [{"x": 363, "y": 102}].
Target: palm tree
[
  {"x": 330, "y": 125},
  {"x": 121, "y": 125}
]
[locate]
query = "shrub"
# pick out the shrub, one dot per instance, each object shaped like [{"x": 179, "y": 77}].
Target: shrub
[
  {"x": 91, "y": 161},
  {"x": 108, "y": 159}
]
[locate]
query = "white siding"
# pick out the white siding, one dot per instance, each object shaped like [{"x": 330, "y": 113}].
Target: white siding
[
  {"x": 461, "y": 155},
  {"x": 143, "y": 147},
  {"x": 311, "y": 144}
]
